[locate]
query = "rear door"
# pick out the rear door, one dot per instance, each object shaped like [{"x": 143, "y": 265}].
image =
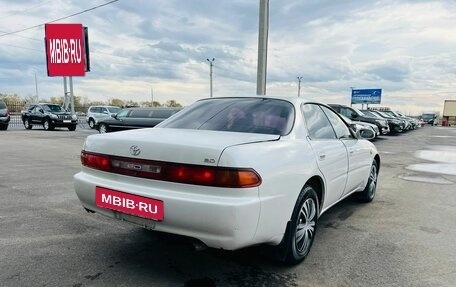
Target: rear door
[
  {"x": 358, "y": 154},
  {"x": 331, "y": 153}
]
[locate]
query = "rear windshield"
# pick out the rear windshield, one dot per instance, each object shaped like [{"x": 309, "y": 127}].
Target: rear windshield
[
  {"x": 249, "y": 115},
  {"x": 2, "y": 105}
]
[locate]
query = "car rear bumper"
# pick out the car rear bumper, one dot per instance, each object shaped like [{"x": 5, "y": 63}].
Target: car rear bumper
[{"x": 227, "y": 219}]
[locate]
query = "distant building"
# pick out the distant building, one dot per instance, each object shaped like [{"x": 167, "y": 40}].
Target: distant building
[{"x": 449, "y": 113}]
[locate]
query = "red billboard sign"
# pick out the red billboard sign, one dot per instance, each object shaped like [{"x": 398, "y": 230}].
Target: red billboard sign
[{"x": 65, "y": 50}]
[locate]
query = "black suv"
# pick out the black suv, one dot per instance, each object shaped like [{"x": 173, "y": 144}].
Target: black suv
[
  {"x": 4, "y": 116},
  {"x": 356, "y": 115},
  {"x": 49, "y": 116}
]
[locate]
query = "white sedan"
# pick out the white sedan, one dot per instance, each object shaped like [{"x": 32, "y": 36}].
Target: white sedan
[{"x": 231, "y": 173}]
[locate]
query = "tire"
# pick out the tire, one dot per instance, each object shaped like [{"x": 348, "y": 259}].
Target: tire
[
  {"x": 368, "y": 194},
  {"x": 47, "y": 125},
  {"x": 3, "y": 127},
  {"x": 300, "y": 234},
  {"x": 103, "y": 128},
  {"x": 91, "y": 123},
  {"x": 72, "y": 128},
  {"x": 27, "y": 124}
]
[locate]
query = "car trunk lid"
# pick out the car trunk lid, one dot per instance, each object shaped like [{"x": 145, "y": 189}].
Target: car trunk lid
[{"x": 199, "y": 147}]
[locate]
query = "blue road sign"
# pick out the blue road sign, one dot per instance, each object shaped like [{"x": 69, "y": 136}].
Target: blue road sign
[{"x": 366, "y": 96}]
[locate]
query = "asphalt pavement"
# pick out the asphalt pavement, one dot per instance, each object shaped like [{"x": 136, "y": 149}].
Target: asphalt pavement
[{"x": 405, "y": 237}]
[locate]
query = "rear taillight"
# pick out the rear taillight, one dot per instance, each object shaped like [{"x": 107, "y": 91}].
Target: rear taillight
[
  {"x": 96, "y": 161},
  {"x": 182, "y": 173},
  {"x": 8, "y": 112}
]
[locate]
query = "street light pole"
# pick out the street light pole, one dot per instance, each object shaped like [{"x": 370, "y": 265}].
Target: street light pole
[
  {"x": 263, "y": 29},
  {"x": 299, "y": 85},
  {"x": 211, "y": 63}
]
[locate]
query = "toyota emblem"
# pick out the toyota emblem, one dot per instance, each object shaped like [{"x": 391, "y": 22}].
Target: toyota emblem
[{"x": 135, "y": 150}]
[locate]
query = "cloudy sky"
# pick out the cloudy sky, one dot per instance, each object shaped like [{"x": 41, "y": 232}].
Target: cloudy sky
[{"x": 407, "y": 48}]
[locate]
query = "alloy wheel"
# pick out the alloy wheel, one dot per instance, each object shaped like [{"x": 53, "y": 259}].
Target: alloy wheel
[
  {"x": 305, "y": 228},
  {"x": 372, "y": 181}
]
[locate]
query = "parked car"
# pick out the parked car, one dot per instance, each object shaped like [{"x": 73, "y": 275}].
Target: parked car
[
  {"x": 356, "y": 115},
  {"x": 231, "y": 173},
  {"x": 358, "y": 126},
  {"x": 134, "y": 118},
  {"x": 4, "y": 116},
  {"x": 407, "y": 122},
  {"x": 411, "y": 122},
  {"x": 395, "y": 125},
  {"x": 49, "y": 116},
  {"x": 415, "y": 122},
  {"x": 94, "y": 113}
]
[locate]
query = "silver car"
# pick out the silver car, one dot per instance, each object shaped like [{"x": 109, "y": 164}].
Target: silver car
[{"x": 95, "y": 113}]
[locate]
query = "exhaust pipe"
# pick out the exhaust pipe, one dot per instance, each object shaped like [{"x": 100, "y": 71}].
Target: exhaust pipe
[{"x": 198, "y": 245}]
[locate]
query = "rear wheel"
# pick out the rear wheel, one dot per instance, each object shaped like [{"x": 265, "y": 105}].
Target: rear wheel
[
  {"x": 47, "y": 125},
  {"x": 300, "y": 234},
  {"x": 368, "y": 194},
  {"x": 3, "y": 127},
  {"x": 103, "y": 128},
  {"x": 27, "y": 124}
]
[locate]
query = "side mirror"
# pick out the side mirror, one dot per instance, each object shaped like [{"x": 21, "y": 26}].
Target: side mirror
[
  {"x": 105, "y": 112},
  {"x": 41, "y": 111},
  {"x": 354, "y": 115},
  {"x": 114, "y": 116},
  {"x": 365, "y": 133}
]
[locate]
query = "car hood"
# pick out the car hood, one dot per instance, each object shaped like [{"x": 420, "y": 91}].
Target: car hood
[{"x": 200, "y": 147}]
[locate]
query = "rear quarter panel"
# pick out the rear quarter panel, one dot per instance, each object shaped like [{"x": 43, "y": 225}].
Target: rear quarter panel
[{"x": 284, "y": 166}]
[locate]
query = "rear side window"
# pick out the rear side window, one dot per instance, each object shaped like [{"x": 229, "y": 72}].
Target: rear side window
[
  {"x": 140, "y": 114},
  {"x": 2, "y": 105},
  {"x": 162, "y": 114}
]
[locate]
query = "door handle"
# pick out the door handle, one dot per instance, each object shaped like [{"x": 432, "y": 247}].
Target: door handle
[{"x": 321, "y": 156}]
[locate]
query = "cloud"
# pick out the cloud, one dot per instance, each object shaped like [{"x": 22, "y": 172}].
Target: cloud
[{"x": 404, "y": 47}]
